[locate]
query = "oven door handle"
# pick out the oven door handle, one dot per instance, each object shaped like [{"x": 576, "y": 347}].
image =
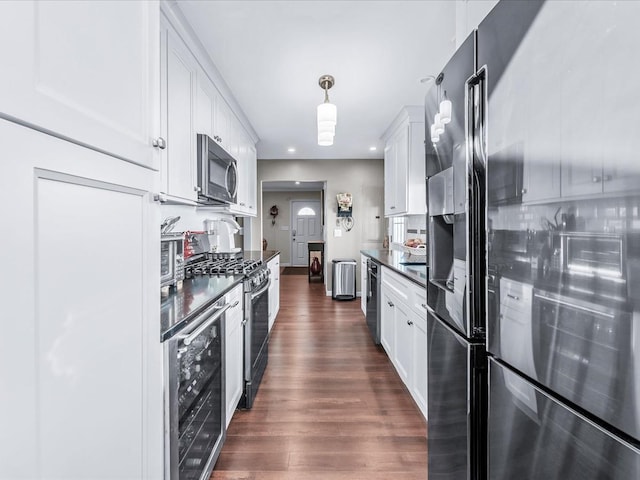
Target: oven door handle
[
  {"x": 188, "y": 339},
  {"x": 261, "y": 291}
]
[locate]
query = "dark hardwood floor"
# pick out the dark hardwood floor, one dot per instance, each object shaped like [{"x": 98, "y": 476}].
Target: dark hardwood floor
[{"x": 330, "y": 406}]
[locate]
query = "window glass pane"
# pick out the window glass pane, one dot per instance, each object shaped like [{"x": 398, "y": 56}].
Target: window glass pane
[
  {"x": 307, "y": 211},
  {"x": 398, "y": 229}
]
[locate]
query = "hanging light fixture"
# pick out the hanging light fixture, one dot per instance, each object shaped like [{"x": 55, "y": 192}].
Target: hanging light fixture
[
  {"x": 445, "y": 109},
  {"x": 327, "y": 113}
]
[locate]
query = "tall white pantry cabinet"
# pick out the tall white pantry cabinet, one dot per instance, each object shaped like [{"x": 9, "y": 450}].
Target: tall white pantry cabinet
[{"x": 80, "y": 352}]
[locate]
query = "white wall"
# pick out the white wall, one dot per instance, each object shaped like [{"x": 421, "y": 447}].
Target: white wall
[
  {"x": 469, "y": 14},
  {"x": 362, "y": 178}
]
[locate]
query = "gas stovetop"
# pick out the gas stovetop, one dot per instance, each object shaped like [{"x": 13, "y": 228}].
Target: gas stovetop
[{"x": 222, "y": 267}]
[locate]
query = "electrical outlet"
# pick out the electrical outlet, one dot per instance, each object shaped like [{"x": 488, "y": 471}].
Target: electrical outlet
[{"x": 337, "y": 232}]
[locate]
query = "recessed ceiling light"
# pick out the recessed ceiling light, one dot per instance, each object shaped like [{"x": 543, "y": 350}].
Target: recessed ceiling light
[
  {"x": 297, "y": 183},
  {"x": 373, "y": 149},
  {"x": 291, "y": 150}
]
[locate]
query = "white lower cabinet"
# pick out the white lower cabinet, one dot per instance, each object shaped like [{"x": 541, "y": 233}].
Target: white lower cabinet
[
  {"x": 80, "y": 350},
  {"x": 233, "y": 351},
  {"x": 274, "y": 289},
  {"x": 404, "y": 332}
]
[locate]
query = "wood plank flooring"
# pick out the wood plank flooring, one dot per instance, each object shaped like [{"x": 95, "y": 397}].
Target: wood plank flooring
[{"x": 330, "y": 405}]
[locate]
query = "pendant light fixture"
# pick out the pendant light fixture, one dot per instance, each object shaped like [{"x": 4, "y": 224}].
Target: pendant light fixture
[{"x": 327, "y": 113}]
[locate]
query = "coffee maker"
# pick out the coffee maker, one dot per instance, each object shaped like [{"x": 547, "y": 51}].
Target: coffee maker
[{"x": 221, "y": 232}]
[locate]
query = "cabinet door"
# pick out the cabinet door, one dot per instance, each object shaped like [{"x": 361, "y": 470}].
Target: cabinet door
[
  {"x": 390, "y": 179},
  {"x": 233, "y": 349},
  {"x": 205, "y": 104},
  {"x": 252, "y": 178},
  {"x": 419, "y": 369},
  {"x": 80, "y": 333},
  {"x": 222, "y": 122},
  {"x": 86, "y": 71},
  {"x": 274, "y": 289},
  {"x": 178, "y": 100},
  {"x": 403, "y": 349},
  {"x": 401, "y": 142},
  {"x": 364, "y": 291},
  {"x": 387, "y": 320}
]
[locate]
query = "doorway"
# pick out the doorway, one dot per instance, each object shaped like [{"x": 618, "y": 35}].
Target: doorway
[{"x": 305, "y": 227}]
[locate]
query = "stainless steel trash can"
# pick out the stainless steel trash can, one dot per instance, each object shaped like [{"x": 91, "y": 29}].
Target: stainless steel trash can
[{"x": 343, "y": 279}]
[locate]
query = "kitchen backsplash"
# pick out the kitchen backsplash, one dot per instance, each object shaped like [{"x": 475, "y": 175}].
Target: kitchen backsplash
[
  {"x": 416, "y": 227},
  {"x": 604, "y": 215}
]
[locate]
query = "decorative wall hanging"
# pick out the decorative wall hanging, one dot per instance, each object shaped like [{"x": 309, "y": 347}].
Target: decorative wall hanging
[{"x": 273, "y": 211}]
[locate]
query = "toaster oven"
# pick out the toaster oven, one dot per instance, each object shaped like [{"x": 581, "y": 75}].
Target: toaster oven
[{"x": 171, "y": 259}]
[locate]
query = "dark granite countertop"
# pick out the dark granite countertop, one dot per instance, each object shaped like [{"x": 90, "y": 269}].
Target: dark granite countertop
[
  {"x": 181, "y": 306},
  {"x": 184, "y": 305},
  {"x": 395, "y": 259},
  {"x": 264, "y": 255}
]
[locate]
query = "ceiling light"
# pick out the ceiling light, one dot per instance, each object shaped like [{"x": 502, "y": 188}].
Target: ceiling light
[
  {"x": 325, "y": 139},
  {"x": 291, "y": 150},
  {"x": 297, "y": 183},
  {"x": 373, "y": 149},
  {"x": 327, "y": 113},
  {"x": 445, "y": 110}
]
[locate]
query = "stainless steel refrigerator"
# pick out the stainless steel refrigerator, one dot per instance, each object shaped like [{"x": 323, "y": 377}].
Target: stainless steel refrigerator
[{"x": 546, "y": 125}]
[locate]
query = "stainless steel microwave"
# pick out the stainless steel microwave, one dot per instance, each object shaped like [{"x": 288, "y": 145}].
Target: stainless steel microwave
[{"x": 217, "y": 172}]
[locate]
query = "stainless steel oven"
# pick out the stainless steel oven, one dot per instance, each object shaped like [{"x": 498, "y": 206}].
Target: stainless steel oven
[
  {"x": 256, "y": 332},
  {"x": 195, "y": 395}
]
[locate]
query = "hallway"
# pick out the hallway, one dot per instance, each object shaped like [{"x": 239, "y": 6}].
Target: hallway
[{"x": 330, "y": 406}]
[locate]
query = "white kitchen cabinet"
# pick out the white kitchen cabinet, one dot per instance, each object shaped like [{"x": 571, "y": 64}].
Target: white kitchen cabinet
[
  {"x": 234, "y": 347},
  {"x": 178, "y": 100},
  {"x": 404, "y": 332},
  {"x": 67, "y": 71},
  {"x": 192, "y": 103},
  {"x": 247, "y": 177},
  {"x": 80, "y": 351},
  {"x": 403, "y": 348},
  {"x": 363, "y": 284},
  {"x": 274, "y": 289},
  {"x": 404, "y": 164}
]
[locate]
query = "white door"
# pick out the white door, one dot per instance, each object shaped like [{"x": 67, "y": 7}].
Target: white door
[{"x": 305, "y": 227}]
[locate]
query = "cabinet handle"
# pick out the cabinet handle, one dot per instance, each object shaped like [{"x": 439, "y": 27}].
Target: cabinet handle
[
  {"x": 513, "y": 296},
  {"x": 409, "y": 322},
  {"x": 390, "y": 304},
  {"x": 424, "y": 305},
  {"x": 596, "y": 179},
  {"x": 392, "y": 208},
  {"x": 217, "y": 138},
  {"x": 197, "y": 189},
  {"x": 524, "y": 190},
  {"x": 160, "y": 143},
  {"x": 241, "y": 204}
]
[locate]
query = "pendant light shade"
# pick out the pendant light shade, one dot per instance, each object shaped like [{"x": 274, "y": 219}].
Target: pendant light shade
[
  {"x": 325, "y": 139},
  {"x": 437, "y": 123},
  {"x": 445, "y": 111},
  {"x": 327, "y": 114},
  {"x": 434, "y": 136}
]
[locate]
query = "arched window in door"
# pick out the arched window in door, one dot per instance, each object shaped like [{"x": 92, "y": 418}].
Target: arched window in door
[{"x": 307, "y": 211}]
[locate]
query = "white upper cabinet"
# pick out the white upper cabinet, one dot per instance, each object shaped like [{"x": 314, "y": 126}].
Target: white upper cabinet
[
  {"x": 404, "y": 164},
  {"x": 178, "y": 87},
  {"x": 192, "y": 103},
  {"x": 66, "y": 72}
]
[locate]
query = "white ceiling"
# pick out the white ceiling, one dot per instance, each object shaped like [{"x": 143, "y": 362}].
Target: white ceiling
[{"x": 272, "y": 53}]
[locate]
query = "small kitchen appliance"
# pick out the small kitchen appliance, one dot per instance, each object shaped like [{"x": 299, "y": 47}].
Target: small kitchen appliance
[{"x": 221, "y": 232}]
